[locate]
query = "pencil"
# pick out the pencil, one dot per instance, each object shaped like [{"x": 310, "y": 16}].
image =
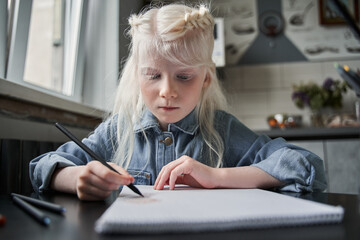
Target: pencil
[
  {"x": 92, "y": 154},
  {"x": 47, "y": 205},
  {"x": 34, "y": 212}
]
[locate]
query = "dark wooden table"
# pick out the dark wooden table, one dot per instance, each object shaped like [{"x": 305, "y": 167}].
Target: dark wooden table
[{"x": 78, "y": 222}]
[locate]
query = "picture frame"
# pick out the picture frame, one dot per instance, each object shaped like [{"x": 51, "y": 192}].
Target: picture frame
[{"x": 328, "y": 15}]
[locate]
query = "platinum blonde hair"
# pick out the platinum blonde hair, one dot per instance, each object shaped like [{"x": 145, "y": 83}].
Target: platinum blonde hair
[{"x": 182, "y": 35}]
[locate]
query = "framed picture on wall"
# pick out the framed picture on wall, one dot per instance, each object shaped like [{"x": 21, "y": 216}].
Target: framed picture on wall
[{"x": 328, "y": 15}]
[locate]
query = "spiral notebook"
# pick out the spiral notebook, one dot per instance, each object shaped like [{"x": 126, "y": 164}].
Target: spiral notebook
[{"x": 191, "y": 209}]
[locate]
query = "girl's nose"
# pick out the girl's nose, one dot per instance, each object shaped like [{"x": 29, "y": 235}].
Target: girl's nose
[{"x": 168, "y": 88}]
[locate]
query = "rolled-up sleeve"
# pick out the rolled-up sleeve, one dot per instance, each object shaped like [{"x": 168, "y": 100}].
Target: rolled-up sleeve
[
  {"x": 299, "y": 169},
  {"x": 42, "y": 167}
]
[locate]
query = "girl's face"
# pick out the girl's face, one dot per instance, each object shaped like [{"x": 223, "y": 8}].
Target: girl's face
[{"x": 171, "y": 91}]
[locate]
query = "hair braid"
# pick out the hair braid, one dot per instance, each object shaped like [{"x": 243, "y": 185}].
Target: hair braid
[
  {"x": 134, "y": 22},
  {"x": 198, "y": 18}
]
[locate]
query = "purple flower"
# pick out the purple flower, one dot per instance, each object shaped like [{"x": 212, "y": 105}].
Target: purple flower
[
  {"x": 328, "y": 84},
  {"x": 301, "y": 96}
]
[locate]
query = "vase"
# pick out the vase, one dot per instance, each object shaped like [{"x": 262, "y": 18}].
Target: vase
[
  {"x": 324, "y": 117},
  {"x": 316, "y": 118}
]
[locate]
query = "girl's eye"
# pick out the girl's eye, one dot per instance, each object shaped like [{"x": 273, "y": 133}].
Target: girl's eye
[
  {"x": 154, "y": 76},
  {"x": 183, "y": 77}
]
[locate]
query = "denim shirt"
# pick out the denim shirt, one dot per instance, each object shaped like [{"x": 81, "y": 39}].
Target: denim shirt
[{"x": 299, "y": 169}]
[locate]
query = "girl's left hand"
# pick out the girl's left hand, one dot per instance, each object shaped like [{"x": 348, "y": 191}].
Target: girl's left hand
[{"x": 186, "y": 170}]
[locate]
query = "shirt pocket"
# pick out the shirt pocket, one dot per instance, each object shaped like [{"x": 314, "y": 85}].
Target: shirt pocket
[{"x": 141, "y": 177}]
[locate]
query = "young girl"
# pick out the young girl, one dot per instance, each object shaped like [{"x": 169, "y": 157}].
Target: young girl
[{"x": 168, "y": 124}]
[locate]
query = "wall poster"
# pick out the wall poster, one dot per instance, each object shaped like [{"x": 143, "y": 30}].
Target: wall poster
[
  {"x": 240, "y": 26},
  {"x": 312, "y": 32}
]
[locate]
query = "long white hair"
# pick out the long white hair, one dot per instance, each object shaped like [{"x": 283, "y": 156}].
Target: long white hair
[{"x": 182, "y": 35}]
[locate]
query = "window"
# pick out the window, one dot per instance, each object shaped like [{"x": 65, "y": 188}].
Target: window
[
  {"x": 68, "y": 49},
  {"x": 44, "y": 50},
  {"x": 45, "y": 47}
]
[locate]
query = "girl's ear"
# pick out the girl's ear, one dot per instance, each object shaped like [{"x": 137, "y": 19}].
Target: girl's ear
[{"x": 207, "y": 80}]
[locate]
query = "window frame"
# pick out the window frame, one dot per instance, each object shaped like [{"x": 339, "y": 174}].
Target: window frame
[
  {"x": 3, "y": 35},
  {"x": 74, "y": 52}
]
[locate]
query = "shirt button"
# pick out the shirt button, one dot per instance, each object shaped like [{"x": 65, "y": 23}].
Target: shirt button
[{"x": 167, "y": 141}]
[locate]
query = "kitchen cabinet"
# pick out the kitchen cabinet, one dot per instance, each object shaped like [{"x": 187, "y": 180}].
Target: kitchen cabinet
[
  {"x": 341, "y": 161},
  {"x": 343, "y": 165}
]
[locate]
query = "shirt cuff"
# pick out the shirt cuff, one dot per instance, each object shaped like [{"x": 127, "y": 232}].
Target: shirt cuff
[
  {"x": 291, "y": 168},
  {"x": 45, "y": 168}
]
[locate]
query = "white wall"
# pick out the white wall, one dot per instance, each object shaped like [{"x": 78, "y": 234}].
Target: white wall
[{"x": 256, "y": 91}]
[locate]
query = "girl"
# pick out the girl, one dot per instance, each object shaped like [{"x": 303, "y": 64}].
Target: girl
[{"x": 168, "y": 124}]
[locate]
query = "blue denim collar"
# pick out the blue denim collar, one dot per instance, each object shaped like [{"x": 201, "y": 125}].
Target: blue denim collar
[{"x": 188, "y": 125}]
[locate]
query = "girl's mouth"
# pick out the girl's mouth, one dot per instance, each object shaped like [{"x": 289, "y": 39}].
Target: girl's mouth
[{"x": 169, "y": 108}]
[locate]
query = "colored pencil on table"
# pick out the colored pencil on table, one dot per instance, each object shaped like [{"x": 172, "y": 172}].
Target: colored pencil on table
[
  {"x": 43, "y": 204},
  {"x": 33, "y": 211}
]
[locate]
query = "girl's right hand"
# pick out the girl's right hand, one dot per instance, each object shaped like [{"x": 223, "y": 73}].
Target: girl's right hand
[{"x": 96, "y": 182}]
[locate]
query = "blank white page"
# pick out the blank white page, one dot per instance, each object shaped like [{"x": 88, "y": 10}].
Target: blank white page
[{"x": 194, "y": 209}]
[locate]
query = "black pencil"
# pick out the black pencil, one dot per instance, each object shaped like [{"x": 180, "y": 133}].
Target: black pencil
[
  {"x": 47, "y": 205},
  {"x": 33, "y": 211},
  {"x": 92, "y": 154}
]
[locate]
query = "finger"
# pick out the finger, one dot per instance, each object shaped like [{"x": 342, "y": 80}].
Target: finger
[
  {"x": 121, "y": 170},
  {"x": 108, "y": 175},
  {"x": 162, "y": 178},
  {"x": 97, "y": 182},
  {"x": 165, "y": 172},
  {"x": 90, "y": 186},
  {"x": 158, "y": 179},
  {"x": 180, "y": 171},
  {"x": 86, "y": 191},
  {"x": 156, "y": 184},
  {"x": 160, "y": 175},
  {"x": 174, "y": 176}
]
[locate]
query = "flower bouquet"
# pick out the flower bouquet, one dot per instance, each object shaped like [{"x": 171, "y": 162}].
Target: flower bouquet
[{"x": 317, "y": 98}]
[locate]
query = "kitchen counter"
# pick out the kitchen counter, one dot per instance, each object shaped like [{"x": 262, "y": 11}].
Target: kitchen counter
[{"x": 311, "y": 133}]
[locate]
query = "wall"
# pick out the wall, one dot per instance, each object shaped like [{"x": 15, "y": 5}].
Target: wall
[
  {"x": 259, "y": 82},
  {"x": 256, "y": 91}
]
